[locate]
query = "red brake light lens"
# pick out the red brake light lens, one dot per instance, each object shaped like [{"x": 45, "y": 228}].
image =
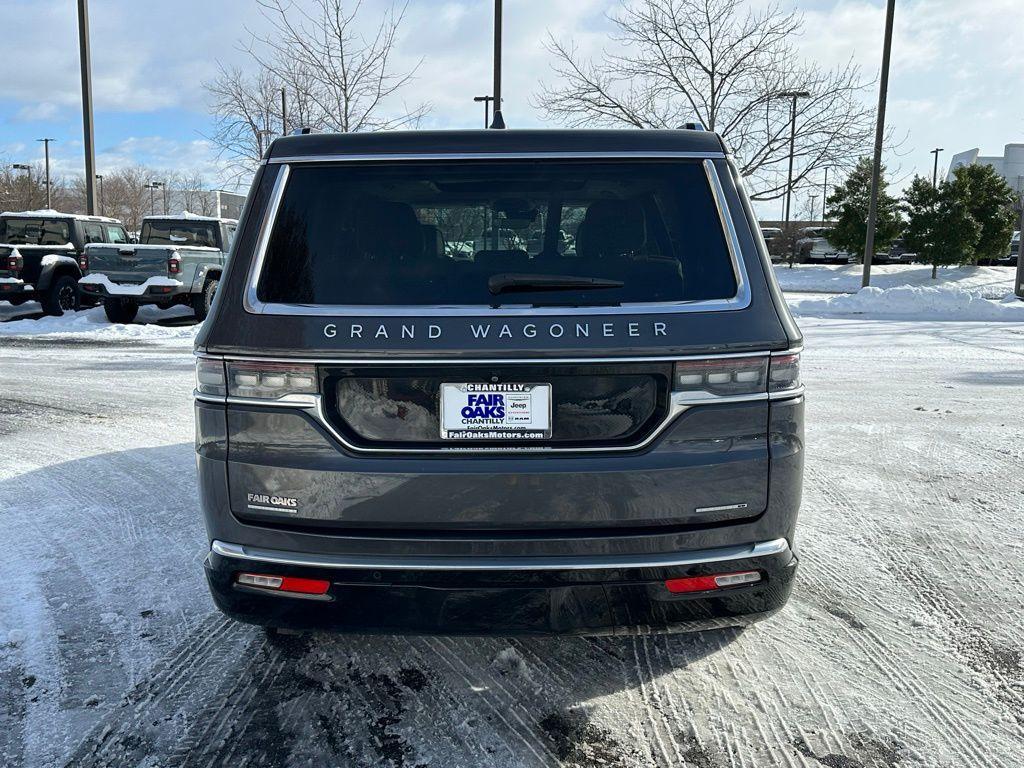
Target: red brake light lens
[
  {"x": 713, "y": 582},
  {"x": 174, "y": 266},
  {"x": 83, "y": 261},
  {"x": 285, "y": 583}
]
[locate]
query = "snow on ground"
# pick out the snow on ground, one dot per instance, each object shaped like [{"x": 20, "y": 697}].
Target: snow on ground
[
  {"x": 948, "y": 302},
  {"x": 152, "y": 324},
  {"x": 989, "y": 282},
  {"x": 901, "y": 646}
]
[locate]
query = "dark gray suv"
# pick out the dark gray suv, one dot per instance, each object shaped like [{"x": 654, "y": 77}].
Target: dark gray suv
[{"x": 408, "y": 420}]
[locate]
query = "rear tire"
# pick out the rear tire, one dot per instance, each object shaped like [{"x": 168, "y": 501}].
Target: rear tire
[
  {"x": 202, "y": 302},
  {"x": 61, "y": 297},
  {"x": 121, "y": 310}
]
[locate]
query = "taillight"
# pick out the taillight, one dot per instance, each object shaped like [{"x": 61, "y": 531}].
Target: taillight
[
  {"x": 722, "y": 376},
  {"x": 785, "y": 373},
  {"x": 270, "y": 381},
  {"x": 174, "y": 266},
  {"x": 210, "y": 377},
  {"x": 83, "y": 262},
  {"x": 14, "y": 262},
  {"x": 731, "y": 376}
]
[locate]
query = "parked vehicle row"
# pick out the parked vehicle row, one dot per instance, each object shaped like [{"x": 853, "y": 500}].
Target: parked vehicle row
[
  {"x": 813, "y": 247},
  {"x": 42, "y": 255},
  {"x": 66, "y": 261},
  {"x": 179, "y": 261}
]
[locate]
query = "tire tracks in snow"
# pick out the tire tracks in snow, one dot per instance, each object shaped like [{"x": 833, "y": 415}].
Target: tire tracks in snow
[{"x": 876, "y": 647}]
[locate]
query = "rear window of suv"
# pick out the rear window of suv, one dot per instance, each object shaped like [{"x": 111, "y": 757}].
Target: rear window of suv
[{"x": 540, "y": 233}]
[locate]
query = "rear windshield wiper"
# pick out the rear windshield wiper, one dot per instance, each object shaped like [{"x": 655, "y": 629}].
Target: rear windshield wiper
[{"x": 507, "y": 282}]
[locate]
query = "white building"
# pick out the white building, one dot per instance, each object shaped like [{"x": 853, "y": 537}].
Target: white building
[
  {"x": 1010, "y": 165},
  {"x": 215, "y": 202}
]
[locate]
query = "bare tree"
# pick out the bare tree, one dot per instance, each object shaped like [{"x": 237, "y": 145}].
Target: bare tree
[
  {"x": 247, "y": 116},
  {"x": 709, "y": 60},
  {"x": 22, "y": 190},
  {"x": 336, "y": 78}
]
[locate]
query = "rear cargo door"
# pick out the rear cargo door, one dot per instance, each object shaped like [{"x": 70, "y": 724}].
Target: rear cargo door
[{"x": 614, "y": 456}]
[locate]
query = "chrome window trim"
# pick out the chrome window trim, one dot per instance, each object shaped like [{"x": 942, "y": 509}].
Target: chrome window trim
[
  {"x": 491, "y": 563},
  {"x": 741, "y": 299},
  {"x": 392, "y": 360}
]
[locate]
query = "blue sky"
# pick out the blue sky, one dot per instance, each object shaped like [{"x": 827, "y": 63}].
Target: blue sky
[{"x": 957, "y": 75}]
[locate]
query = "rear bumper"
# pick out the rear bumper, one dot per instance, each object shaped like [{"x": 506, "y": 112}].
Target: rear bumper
[
  {"x": 154, "y": 290},
  {"x": 13, "y": 287},
  {"x": 584, "y": 595}
]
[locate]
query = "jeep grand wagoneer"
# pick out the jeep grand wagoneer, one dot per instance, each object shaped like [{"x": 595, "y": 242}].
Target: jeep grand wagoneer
[{"x": 587, "y": 417}]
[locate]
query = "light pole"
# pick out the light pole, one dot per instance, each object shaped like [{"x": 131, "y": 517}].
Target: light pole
[
  {"x": 498, "y": 121},
  {"x": 876, "y": 170},
  {"x": 284, "y": 113},
  {"x": 935, "y": 167},
  {"x": 46, "y": 155},
  {"x": 824, "y": 196},
  {"x": 152, "y": 187},
  {"x": 28, "y": 173},
  {"x": 794, "y": 95},
  {"x": 87, "y": 125},
  {"x": 487, "y": 107},
  {"x": 99, "y": 178}
]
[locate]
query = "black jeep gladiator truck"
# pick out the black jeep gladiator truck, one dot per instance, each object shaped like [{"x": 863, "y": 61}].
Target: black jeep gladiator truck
[{"x": 42, "y": 255}]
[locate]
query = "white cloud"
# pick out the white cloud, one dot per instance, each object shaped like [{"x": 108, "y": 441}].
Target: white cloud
[{"x": 43, "y": 110}]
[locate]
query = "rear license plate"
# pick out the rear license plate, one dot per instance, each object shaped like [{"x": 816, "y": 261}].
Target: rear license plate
[{"x": 495, "y": 411}]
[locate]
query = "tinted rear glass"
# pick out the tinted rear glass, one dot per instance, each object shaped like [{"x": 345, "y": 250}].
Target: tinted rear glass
[
  {"x": 507, "y": 233},
  {"x": 24, "y": 231},
  {"x": 179, "y": 233}
]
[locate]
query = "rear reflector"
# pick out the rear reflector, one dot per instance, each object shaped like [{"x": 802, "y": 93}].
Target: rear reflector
[
  {"x": 285, "y": 583},
  {"x": 708, "y": 583}
]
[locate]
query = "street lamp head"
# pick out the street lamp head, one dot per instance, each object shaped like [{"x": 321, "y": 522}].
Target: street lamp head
[
  {"x": 793, "y": 94},
  {"x": 21, "y": 167},
  {"x": 483, "y": 98}
]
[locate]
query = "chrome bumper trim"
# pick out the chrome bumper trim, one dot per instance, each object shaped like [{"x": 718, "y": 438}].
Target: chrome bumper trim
[{"x": 568, "y": 563}]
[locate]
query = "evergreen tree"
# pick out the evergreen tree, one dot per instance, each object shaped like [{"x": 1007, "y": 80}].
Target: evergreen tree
[
  {"x": 940, "y": 229},
  {"x": 989, "y": 200},
  {"x": 848, "y": 207}
]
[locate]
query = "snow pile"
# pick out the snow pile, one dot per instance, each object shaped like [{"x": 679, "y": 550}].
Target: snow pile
[
  {"x": 988, "y": 282},
  {"x": 915, "y": 303},
  {"x": 93, "y": 323}
]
